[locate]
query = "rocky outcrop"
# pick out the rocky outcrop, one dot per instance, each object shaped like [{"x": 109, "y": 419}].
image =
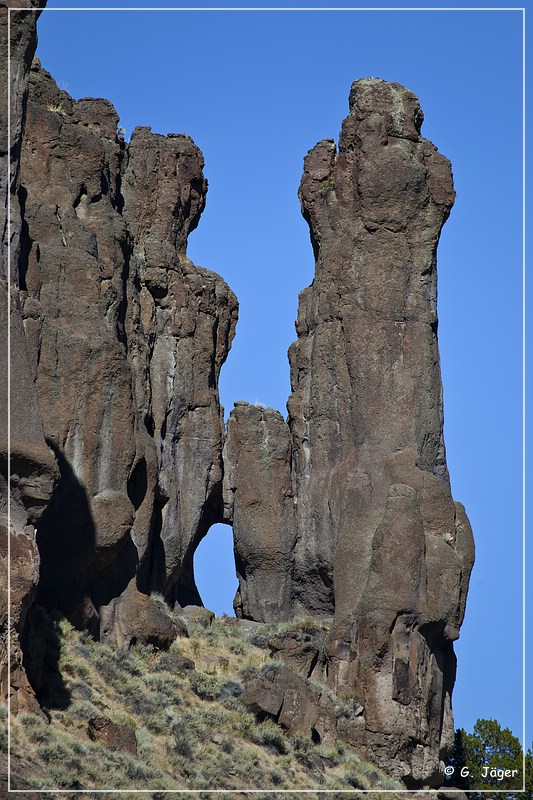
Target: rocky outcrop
[
  {"x": 135, "y": 618},
  {"x": 117, "y": 343},
  {"x": 258, "y": 502},
  {"x": 180, "y": 323},
  {"x": 358, "y": 515},
  {"x": 73, "y": 273},
  {"x": 342, "y": 513},
  {"x": 21, "y": 22},
  {"x": 128, "y": 338},
  {"x": 32, "y": 466},
  {"x": 110, "y": 734},
  {"x": 297, "y": 705}
]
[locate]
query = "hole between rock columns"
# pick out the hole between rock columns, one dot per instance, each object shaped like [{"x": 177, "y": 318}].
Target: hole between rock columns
[{"x": 214, "y": 570}]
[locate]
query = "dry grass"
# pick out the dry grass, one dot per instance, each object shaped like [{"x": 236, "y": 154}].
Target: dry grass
[
  {"x": 191, "y": 730},
  {"x": 56, "y": 108}
]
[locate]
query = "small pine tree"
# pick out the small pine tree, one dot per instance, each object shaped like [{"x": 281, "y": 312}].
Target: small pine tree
[
  {"x": 489, "y": 747},
  {"x": 529, "y": 776}
]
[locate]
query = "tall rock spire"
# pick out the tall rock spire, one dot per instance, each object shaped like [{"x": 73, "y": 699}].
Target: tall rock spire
[{"x": 375, "y": 539}]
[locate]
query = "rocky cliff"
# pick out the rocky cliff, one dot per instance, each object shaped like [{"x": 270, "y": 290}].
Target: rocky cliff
[
  {"x": 350, "y": 498},
  {"x": 119, "y": 458},
  {"x": 129, "y": 338},
  {"x": 26, "y": 463}
]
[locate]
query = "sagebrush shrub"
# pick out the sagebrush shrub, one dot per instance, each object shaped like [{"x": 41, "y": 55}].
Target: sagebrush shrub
[{"x": 204, "y": 685}]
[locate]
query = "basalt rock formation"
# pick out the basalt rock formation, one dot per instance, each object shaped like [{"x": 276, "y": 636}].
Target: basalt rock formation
[
  {"x": 345, "y": 510},
  {"x": 32, "y": 465},
  {"x": 129, "y": 338},
  {"x": 120, "y": 462}
]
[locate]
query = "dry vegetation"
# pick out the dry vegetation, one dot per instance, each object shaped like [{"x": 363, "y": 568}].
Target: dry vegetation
[{"x": 191, "y": 730}]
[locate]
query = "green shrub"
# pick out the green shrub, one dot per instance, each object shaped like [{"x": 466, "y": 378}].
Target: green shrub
[
  {"x": 37, "y": 728},
  {"x": 182, "y": 740},
  {"x": 346, "y": 708},
  {"x": 356, "y": 780},
  {"x": 301, "y": 743},
  {"x": 270, "y": 735},
  {"x": 231, "y": 688},
  {"x": 81, "y": 690},
  {"x": 237, "y": 647},
  {"x": 331, "y": 755},
  {"x": 258, "y": 638},
  {"x": 139, "y": 772},
  {"x": 144, "y": 741},
  {"x": 30, "y": 721},
  {"x": 83, "y": 711},
  {"x": 65, "y": 774},
  {"x": 276, "y": 777},
  {"x": 249, "y": 672},
  {"x": 372, "y": 777},
  {"x": 204, "y": 685},
  {"x": 271, "y": 669},
  {"x": 164, "y": 689},
  {"x": 53, "y": 751},
  {"x": 246, "y": 722},
  {"x": 185, "y": 766}
]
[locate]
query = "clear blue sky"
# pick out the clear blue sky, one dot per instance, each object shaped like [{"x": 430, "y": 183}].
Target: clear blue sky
[{"x": 256, "y": 90}]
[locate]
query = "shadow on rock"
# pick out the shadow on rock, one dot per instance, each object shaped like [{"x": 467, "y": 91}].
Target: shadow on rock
[
  {"x": 53, "y": 692},
  {"x": 66, "y": 539}
]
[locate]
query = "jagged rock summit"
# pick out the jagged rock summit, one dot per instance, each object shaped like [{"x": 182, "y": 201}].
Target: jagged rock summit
[
  {"x": 120, "y": 462},
  {"x": 130, "y": 337}
]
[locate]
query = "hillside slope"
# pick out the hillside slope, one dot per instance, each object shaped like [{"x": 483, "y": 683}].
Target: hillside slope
[{"x": 178, "y": 721}]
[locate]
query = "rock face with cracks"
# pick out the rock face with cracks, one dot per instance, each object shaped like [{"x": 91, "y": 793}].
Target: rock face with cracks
[
  {"x": 128, "y": 340},
  {"x": 119, "y": 458},
  {"x": 33, "y": 470},
  {"x": 358, "y": 518}
]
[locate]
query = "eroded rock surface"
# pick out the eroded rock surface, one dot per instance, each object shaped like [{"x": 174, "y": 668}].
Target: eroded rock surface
[
  {"x": 128, "y": 338},
  {"x": 296, "y": 704},
  {"x": 111, "y": 735},
  {"x": 135, "y": 618},
  {"x": 117, "y": 343},
  {"x": 258, "y": 501},
  {"x": 342, "y": 513},
  {"x": 360, "y": 512},
  {"x": 180, "y": 324},
  {"x": 33, "y": 467},
  {"x": 23, "y": 28}
]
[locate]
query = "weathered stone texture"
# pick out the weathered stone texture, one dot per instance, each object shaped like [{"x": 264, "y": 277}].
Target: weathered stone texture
[
  {"x": 135, "y": 618},
  {"x": 298, "y": 706},
  {"x": 372, "y": 535},
  {"x": 111, "y": 735},
  {"x": 258, "y": 502},
  {"x": 73, "y": 271},
  {"x": 343, "y": 512},
  {"x": 180, "y": 326},
  {"x": 365, "y": 370},
  {"x": 33, "y": 467},
  {"x": 128, "y": 339},
  {"x": 22, "y": 41},
  {"x": 123, "y": 338}
]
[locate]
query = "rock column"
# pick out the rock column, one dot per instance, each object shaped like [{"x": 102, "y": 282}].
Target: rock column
[
  {"x": 377, "y": 541},
  {"x": 127, "y": 340}
]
